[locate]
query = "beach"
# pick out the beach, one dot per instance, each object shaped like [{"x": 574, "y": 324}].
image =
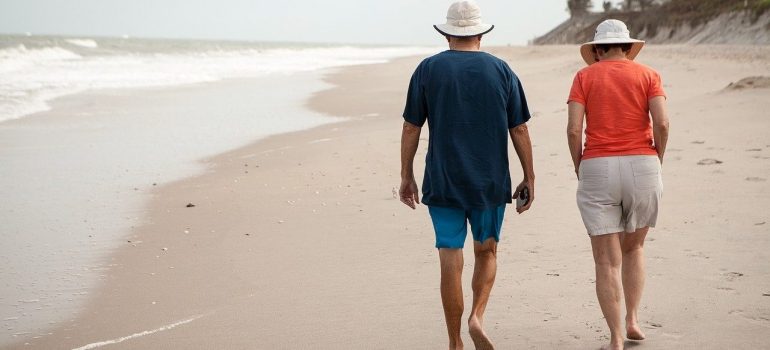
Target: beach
[{"x": 296, "y": 241}]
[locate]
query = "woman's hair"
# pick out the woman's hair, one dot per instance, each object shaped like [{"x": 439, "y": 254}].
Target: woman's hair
[{"x": 607, "y": 47}]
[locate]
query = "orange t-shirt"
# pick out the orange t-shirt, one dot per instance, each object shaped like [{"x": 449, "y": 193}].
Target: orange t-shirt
[{"x": 616, "y": 96}]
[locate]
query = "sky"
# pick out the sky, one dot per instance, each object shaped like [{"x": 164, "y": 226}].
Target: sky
[{"x": 399, "y": 22}]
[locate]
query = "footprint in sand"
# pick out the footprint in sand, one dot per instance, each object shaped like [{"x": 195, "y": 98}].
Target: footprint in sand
[
  {"x": 698, "y": 142},
  {"x": 726, "y": 289},
  {"x": 709, "y": 161},
  {"x": 759, "y": 82},
  {"x": 653, "y": 325},
  {"x": 758, "y": 316},
  {"x": 756, "y": 179},
  {"x": 732, "y": 276}
]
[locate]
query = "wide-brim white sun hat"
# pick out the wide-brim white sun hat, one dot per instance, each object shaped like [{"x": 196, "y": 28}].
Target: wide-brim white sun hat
[
  {"x": 463, "y": 19},
  {"x": 611, "y": 31}
]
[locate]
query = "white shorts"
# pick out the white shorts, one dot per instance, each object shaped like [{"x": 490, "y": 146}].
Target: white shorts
[{"x": 619, "y": 194}]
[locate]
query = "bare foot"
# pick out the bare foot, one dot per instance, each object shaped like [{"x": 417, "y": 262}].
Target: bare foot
[
  {"x": 634, "y": 332},
  {"x": 480, "y": 339}
]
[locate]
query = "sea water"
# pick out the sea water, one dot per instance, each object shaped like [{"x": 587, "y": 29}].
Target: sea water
[{"x": 128, "y": 115}]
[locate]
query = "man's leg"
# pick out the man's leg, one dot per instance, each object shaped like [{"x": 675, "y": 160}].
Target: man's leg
[
  {"x": 484, "y": 271},
  {"x": 608, "y": 257},
  {"x": 452, "y": 293},
  {"x": 632, "y": 246}
]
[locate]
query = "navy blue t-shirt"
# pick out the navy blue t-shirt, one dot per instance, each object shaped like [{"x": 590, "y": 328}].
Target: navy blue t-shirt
[{"x": 470, "y": 99}]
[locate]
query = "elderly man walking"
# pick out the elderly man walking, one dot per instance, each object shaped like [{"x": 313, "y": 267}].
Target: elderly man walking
[
  {"x": 472, "y": 102},
  {"x": 619, "y": 170}
]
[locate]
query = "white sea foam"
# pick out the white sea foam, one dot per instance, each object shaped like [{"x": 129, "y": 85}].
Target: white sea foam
[
  {"x": 137, "y": 335},
  {"x": 87, "y": 43},
  {"x": 29, "y": 78}
]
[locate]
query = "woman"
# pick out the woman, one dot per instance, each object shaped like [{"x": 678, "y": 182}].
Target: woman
[{"x": 619, "y": 170}]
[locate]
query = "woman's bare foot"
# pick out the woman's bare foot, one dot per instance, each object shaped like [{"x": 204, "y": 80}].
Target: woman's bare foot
[
  {"x": 634, "y": 332},
  {"x": 480, "y": 339}
]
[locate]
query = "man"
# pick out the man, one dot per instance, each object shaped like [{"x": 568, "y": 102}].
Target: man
[
  {"x": 619, "y": 170},
  {"x": 472, "y": 102}
]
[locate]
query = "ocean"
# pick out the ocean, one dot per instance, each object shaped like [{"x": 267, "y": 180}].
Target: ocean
[
  {"x": 89, "y": 126},
  {"x": 37, "y": 69}
]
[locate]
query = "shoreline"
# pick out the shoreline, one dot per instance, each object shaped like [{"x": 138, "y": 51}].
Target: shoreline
[
  {"x": 311, "y": 236},
  {"x": 103, "y": 204}
]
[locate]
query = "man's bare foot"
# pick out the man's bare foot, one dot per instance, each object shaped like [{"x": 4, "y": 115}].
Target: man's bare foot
[
  {"x": 480, "y": 339},
  {"x": 456, "y": 347},
  {"x": 634, "y": 332}
]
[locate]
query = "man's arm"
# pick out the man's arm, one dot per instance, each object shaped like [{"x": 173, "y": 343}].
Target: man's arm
[
  {"x": 576, "y": 113},
  {"x": 410, "y": 139},
  {"x": 659, "y": 124},
  {"x": 523, "y": 146}
]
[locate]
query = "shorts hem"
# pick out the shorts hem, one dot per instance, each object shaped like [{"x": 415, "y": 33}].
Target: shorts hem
[
  {"x": 604, "y": 230},
  {"x": 446, "y": 246},
  {"x": 637, "y": 227}
]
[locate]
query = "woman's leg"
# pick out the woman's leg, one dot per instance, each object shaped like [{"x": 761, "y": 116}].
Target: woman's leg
[
  {"x": 608, "y": 257},
  {"x": 632, "y": 246}
]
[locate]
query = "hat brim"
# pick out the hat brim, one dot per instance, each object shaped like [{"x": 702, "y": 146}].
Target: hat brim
[
  {"x": 450, "y": 30},
  {"x": 586, "y": 50}
]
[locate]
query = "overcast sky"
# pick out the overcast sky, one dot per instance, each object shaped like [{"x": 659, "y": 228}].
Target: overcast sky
[{"x": 337, "y": 21}]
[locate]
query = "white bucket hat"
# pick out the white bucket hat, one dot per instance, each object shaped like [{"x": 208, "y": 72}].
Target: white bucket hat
[
  {"x": 463, "y": 19},
  {"x": 611, "y": 31}
]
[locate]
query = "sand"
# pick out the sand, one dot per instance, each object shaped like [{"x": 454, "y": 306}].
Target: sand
[{"x": 296, "y": 241}]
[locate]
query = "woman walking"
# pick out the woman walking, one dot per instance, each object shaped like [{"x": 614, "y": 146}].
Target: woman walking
[{"x": 619, "y": 169}]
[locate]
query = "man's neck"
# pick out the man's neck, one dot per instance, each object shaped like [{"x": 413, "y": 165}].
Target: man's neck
[{"x": 464, "y": 46}]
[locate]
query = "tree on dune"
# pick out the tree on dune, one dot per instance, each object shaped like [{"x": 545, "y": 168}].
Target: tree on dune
[
  {"x": 607, "y": 6},
  {"x": 578, "y": 7}
]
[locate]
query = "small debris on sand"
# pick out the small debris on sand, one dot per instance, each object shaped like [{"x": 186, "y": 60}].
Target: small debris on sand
[
  {"x": 190, "y": 205},
  {"x": 698, "y": 142},
  {"x": 710, "y": 161},
  {"x": 760, "y": 223},
  {"x": 756, "y": 179}
]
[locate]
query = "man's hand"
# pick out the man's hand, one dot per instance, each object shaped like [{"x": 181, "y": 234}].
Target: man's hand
[
  {"x": 530, "y": 186},
  {"x": 408, "y": 193}
]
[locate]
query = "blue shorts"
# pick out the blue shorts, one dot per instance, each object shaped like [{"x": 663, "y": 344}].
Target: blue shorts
[{"x": 451, "y": 225}]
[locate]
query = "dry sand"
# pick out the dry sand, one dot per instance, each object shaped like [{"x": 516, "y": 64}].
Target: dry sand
[{"x": 296, "y": 241}]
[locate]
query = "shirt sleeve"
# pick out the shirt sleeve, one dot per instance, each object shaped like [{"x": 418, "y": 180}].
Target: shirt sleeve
[
  {"x": 576, "y": 93},
  {"x": 416, "y": 109},
  {"x": 518, "y": 110},
  {"x": 656, "y": 86}
]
